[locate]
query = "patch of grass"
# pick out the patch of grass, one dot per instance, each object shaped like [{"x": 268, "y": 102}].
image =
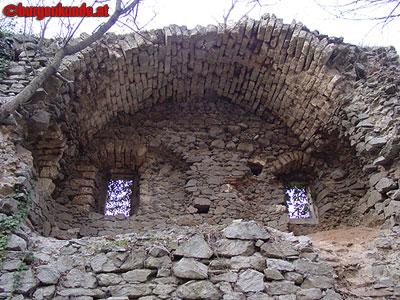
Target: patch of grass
[
  {"x": 122, "y": 243},
  {"x": 12, "y": 223}
]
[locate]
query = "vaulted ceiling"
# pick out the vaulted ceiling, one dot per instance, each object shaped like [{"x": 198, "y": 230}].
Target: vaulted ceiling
[{"x": 272, "y": 69}]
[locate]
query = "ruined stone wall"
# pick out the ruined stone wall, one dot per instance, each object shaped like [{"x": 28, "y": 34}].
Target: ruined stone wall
[
  {"x": 297, "y": 91},
  {"x": 244, "y": 261},
  {"x": 193, "y": 163},
  {"x": 370, "y": 119},
  {"x": 239, "y": 261},
  {"x": 190, "y": 112}
]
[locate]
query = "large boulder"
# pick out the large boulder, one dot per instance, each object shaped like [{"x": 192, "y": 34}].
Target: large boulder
[
  {"x": 231, "y": 248},
  {"x": 195, "y": 247},
  {"x": 250, "y": 281},
  {"x": 190, "y": 269},
  {"x": 246, "y": 231},
  {"x": 198, "y": 290}
]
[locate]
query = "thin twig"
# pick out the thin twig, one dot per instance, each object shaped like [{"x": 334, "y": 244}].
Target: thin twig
[{"x": 59, "y": 76}]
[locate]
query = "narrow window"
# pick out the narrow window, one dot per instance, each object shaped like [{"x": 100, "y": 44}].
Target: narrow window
[
  {"x": 255, "y": 167},
  {"x": 119, "y": 198},
  {"x": 297, "y": 201}
]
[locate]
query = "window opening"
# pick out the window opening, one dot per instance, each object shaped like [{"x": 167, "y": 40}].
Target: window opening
[
  {"x": 119, "y": 198},
  {"x": 297, "y": 201},
  {"x": 256, "y": 168}
]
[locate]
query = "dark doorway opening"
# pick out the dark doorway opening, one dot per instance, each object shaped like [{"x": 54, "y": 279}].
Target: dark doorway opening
[{"x": 256, "y": 168}]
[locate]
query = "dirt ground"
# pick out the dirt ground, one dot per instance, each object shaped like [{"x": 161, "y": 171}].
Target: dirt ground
[{"x": 363, "y": 258}]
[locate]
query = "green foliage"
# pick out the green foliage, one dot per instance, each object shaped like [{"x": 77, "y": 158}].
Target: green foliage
[
  {"x": 294, "y": 184},
  {"x": 11, "y": 223},
  {"x": 296, "y": 198},
  {"x": 6, "y": 30},
  {"x": 122, "y": 243},
  {"x": 20, "y": 272}
]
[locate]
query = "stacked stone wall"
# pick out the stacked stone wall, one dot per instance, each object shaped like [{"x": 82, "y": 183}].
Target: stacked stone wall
[
  {"x": 195, "y": 114},
  {"x": 266, "y": 64},
  {"x": 193, "y": 163},
  {"x": 239, "y": 261},
  {"x": 243, "y": 261}
]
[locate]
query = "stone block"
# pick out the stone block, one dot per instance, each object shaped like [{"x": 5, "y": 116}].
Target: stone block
[
  {"x": 46, "y": 185},
  {"x": 283, "y": 287},
  {"x": 280, "y": 265},
  {"x": 132, "y": 290},
  {"x": 83, "y": 199},
  {"x": 385, "y": 185},
  {"x": 279, "y": 249},
  {"x": 48, "y": 274},
  {"x": 195, "y": 247},
  {"x": 189, "y": 268},
  {"x": 375, "y": 178},
  {"x": 49, "y": 172},
  {"x": 218, "y": 144},
  {"x": 225, "y": 277},
  {"x": 40, "y": 121},
  {"x": 137, "y": 276},
  {"x": 273, "y": 274},
  {"x": 16, "y": 243},
  {"x": 256, "y": 262},
  {"x": 234, "y": 296},
  {"x": 246, "y": 231},
  {"x": 245, "y": 147},
  {"x": 108, "y": 279},
  {"x": 309, "y": 294},
  {"x": 317, "y": 281},
  {"x": 339, "y": 174},
  {"x": 392, "y": 209},
  {"x": 6, "y": 189},
  {"x": 374, "y": 197},
  {"x": 250, "y": 281},
  {"x": 43, "y": 293},
  {"x": 9, "y": 206},
  {"x": 202, "y": 204},
  {"x": 231, "y": 248},
  {"x": 202, "y": 289}
]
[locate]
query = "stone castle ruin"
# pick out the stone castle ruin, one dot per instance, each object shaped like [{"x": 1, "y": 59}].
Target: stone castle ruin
[{"x": 209, "y": 126}]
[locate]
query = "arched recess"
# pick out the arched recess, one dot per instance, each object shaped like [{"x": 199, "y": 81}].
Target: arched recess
[
  {"x": 267, "y": 67},
  {"x": 283, "y": 74},
  {"x": 271, "y": 69}
]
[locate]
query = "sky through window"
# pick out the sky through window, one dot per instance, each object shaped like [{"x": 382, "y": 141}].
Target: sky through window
[{"x": 118, "y": 198}]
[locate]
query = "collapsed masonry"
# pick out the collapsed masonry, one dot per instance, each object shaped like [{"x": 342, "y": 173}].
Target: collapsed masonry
[
  {"x": 184, "y": 111},
  {"x": 241, "y": 261},
  {"x": 189, "y": 115}
]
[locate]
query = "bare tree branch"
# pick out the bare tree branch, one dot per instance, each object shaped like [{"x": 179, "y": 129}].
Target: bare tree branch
[
  {"x": 51, "y": 69},
  {"x": 234, "y": 4},
  {"x": 361, "y": 10},
  {"x": 43, "y": 32}
]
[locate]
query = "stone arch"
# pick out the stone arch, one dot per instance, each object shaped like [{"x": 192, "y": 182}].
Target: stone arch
[
  {"x": 283, "y": 74},
  {"x": 274, "y": 70},
  {"x": 208, "y": 152},
  {"x": 296, "y": 161},
  {"x": 267, "y": 67}
]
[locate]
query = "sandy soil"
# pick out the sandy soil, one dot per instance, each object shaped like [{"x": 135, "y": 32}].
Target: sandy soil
[{"x": 353, "y": 253}]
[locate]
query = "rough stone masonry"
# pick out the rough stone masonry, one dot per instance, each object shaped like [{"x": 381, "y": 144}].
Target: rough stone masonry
[{"x": 210, "y": 124}]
